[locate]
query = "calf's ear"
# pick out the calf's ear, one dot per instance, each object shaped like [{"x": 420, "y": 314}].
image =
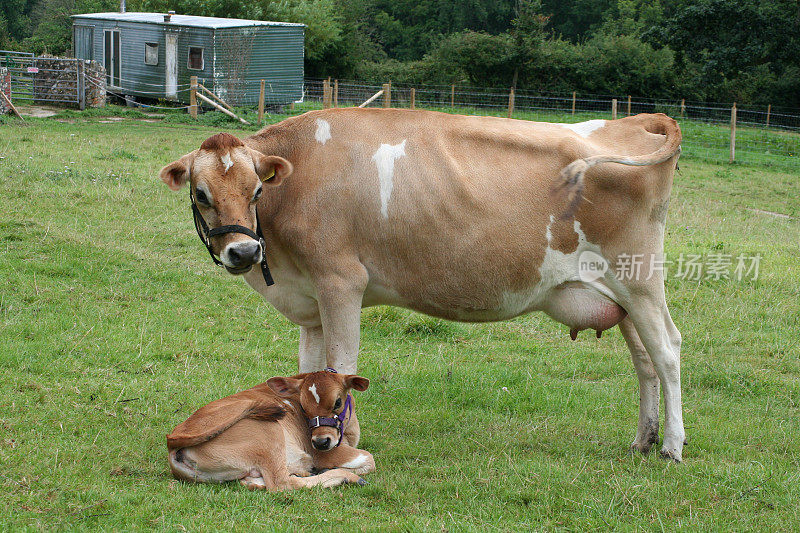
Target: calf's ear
[
  {"x": 356, "y": 382},
  {"x": 284, "y": 386},
  {"x": 177, "y": 173},
  {"x": 271, "y": 169}
]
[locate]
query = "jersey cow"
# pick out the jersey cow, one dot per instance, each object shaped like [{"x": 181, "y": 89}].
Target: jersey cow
[{"x": 460, "y": 217}]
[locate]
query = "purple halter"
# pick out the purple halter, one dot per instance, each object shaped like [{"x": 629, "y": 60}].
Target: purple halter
[{"x": 336, "y": 421}]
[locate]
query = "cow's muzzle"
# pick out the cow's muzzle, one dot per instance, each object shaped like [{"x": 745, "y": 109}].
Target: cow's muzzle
[{"x": 239, "y": 257}]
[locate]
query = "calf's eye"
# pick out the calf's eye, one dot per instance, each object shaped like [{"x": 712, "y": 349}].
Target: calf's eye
[
  {"x": 338, "y": 403},
  {"x": 257, "y": 195}
]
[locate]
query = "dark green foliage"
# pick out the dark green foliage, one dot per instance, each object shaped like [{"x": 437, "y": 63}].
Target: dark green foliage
[
  {"x": 695, "y": 49},
  {"x": 745, "y": 50}
]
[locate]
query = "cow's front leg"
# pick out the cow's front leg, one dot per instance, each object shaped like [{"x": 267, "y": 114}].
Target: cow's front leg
[
  {"x": 340, "y": 301},
  {"x": 312, "y": 349},
  {"x": 340, "y": 298}
]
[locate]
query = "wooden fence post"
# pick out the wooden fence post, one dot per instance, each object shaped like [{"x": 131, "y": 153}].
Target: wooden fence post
[
  {"x": 326, "y": 94},
  {"x": 413, "y": 97},
  {"x": 629, "y": 105},
  {"x": 511, "y": 103},
  {"x": 193, "y": 96},
  {"x": 683, "y": 107},
  {"x": 261, "y": 103},
  {"x": 769, "y": 110},
  {"x": 573, "y": 102},
  {"x": 453, "y": 95},
  {"x": 613, "y": 109},
  {"x": 335, "y": 93},
  {"x": 81, "y": 84},
  {"x": 291, "y": 107},
  {"x": 387, "y": 95},
  {"x": 733, "y": 133}
]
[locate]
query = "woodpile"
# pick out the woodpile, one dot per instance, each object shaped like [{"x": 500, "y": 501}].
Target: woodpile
[
  {"x": 95, "y": 85},
  {"x": 5, "y": 88},
  {"x": 59, "y": 81}
]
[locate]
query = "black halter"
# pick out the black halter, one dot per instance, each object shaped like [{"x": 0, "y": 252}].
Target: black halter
[{"x": 206, "y": 234}]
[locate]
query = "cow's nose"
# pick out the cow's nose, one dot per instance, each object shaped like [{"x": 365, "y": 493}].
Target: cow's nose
[
  {"x": 242, "y": 254},
  {"x": 321, "y": 443}
]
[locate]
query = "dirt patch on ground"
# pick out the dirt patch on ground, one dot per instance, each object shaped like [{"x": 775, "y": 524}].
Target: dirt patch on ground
[
  {"x": 770, "y": 213},
  {"x": 38, "y": 111}
]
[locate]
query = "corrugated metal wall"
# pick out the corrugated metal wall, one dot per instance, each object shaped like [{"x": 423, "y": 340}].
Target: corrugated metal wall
[
  {"x": 235, "y": 60},
  {"x": 244, "y": 56}
]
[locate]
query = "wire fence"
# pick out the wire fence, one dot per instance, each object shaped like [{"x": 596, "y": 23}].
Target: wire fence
[{"x": 767, "y": 135}]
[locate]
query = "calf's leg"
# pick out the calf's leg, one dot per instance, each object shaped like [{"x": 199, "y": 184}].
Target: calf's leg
[{"x": 345, "y": 457}]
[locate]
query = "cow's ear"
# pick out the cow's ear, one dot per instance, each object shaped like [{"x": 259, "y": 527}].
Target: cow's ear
[
  {"x": 356, "y": 382},
  {"x": 177, "y": 173},
  {"x": 284, "y": 386},
  {"x": 272, "y": 169}
]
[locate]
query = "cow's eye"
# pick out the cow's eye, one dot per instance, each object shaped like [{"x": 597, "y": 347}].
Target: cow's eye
[
  {"x": 338, "y": 404},
  {"x": 257, "y": 195},
  {"x": 201, "y": 197}
]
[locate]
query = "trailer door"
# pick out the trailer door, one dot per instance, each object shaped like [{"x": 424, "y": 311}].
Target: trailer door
[
  {"x": 171, "y": 65},
  {"x": 111, "y": 59}
]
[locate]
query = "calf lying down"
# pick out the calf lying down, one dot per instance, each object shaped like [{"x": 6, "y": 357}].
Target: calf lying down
[{"x": 275, "y": 436}]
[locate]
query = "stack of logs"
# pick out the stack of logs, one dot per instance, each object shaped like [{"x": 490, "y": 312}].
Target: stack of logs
[
  {"x": 57, "y": 81},
  {"x": 5, "y": 88}
]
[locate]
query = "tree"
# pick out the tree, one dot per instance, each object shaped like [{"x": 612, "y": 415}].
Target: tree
[
  {"x": 717, "y": 42},
  {"x": 528, "y": 32}
]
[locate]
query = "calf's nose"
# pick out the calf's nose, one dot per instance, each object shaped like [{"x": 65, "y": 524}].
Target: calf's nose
[
  {"x": 245, "y": 253},
  {"x": 321, "y": 443}
]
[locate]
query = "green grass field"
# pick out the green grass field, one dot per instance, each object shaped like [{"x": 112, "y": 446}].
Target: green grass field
[{"x": 115, "y": 326}]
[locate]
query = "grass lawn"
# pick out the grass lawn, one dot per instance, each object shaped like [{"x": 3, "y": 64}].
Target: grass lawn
[{"x": 115, "y": 326}]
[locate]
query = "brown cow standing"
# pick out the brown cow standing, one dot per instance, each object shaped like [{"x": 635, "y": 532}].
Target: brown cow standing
[
  {"x": 464, "y": 218},
  {"x": 261, "y": 436}
]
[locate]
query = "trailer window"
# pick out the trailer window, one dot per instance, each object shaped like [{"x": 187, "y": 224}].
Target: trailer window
[
  {"x": 195, "y": 58},
  {"x": 151, "y": 53}
]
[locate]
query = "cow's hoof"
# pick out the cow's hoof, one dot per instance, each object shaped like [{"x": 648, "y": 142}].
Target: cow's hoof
[
  {"x": 671, "y": 455},
  {"x": 642, "y": 448},
  {"x": 361, "y": 481}
]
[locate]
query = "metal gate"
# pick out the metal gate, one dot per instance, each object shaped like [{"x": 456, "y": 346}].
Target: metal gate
[{"x": 44, "y": 80}]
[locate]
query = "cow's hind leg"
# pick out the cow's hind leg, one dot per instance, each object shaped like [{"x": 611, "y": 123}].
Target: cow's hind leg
[
  {"x": 647, "y": 429},
  {"x": 662, "y": 341}
]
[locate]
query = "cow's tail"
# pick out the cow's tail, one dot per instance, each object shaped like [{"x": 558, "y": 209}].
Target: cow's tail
[{"x": 572, "y": 175}]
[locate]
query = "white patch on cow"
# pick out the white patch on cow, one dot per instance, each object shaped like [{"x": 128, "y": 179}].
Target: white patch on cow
[
  {"x": 323, "y": 131},
  {"x": 227, "y": 162},
  {"x": 256, "y": 481},
  {"x": 313, "y": 390},
  {"x": 584, "y": 129},
  {"x": 556, "y": 269},
  {"x": 384, "y": 159},
  {"x": 355, "y": 463}
]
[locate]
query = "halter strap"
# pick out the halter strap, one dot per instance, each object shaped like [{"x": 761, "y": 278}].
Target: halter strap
[
  {"x": 338, "y": 421},
  {"x": 206, "y": 234}
]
